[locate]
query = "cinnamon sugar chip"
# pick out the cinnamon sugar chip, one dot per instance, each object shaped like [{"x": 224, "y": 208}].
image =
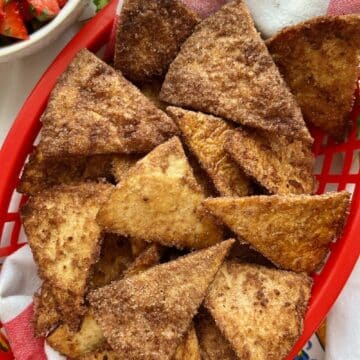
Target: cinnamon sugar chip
[
  {"x": 160, "y": 201},
  {"x": 146, "y": 315},
  {"x": 93, "y": 109},
  {"x": 294, "y": 232},
  {"x": 225, "y": 69},
  {"x": 65, "y": 240},
  {"x": 319, "y": 59},
  {"x": 260, "y": 311},
  {"x": 149, "y": 36}
]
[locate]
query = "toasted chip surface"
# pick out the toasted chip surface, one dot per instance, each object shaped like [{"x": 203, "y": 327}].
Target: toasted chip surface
[
  {"x": 39, "y": 174},
  {"x": 145, "y": 316},
  {"x": 225, "y": 69},
  {"x": 319, "y": 60},
  {"x": 121, "y": 164},
  {"x": 89, "y": 340},
  {"x": 213, "y": 345},
  {"x": 206, "y": 137},
  {"x": 280, "y": 165},
  {"x": 149, "y": 36},
  {"x": 259, "y": 310},
  {"x": 46, "y": 315},
  {"x": 94, "y": 110},
  {"x": 160, "y": 201},
  {"x": 189, "y": 348},
  {"x": 294, "y": 232},
  {"x": 76, "y": 343},
  {"x": 65, "y": 240}
]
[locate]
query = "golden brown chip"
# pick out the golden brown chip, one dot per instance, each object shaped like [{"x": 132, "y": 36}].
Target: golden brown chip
[
  {"x": 146, "y": 259},
  {"x": 94, "y": 110},
  {"x": 89, "y": 340},
  {"x": 260, "y": 311},
  {"x": 319, "y": 60},
  {"x": 145, "y": 316},
  {"x": 213, "y": 345},
  {"x": 46, "y": 315},
  {"x": 294, "y": 231},
  {"x": 115, "y": 257},
  {"x": 280, "y": 165},
  {"x": 206, "y": 137},
  {"x": 76, "y": 343},
  {"x": 149, "y": 35},
  {"x": 121, "y": 164},
  {"x": 40, "y": 174},
  {"x": 187, "y": 350},
  {"x": 160, "y": 201},
  {"x": 189, "y": 347},
  {"x": 225, "y": 69},
  {"x": 65, "y": 240}
]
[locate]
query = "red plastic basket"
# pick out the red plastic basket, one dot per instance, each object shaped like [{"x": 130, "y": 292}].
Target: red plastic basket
[{"x": 344, "y": 253}]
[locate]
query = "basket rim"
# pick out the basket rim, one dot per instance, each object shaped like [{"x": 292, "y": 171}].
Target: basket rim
[{"x": 19, "y": 140}]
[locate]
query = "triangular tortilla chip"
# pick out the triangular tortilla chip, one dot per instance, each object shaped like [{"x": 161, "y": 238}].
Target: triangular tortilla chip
[
  {"x": 40, "y": 174},
  {"x": 213, "y": 345},
  {"x": 260, "y": 311},
  {"x": 319, "y": 59},
  {"x": 225, "y": 69},
  {"x": 205, "y": 135},
  {"x": 115, "y": 257},
  {"x": 74, "y": 344},
  {"x": 189, "y": 348},
  {"x": 65, "y": 240},
  {"x": 160, "y": 201},
  {"x": 280, "y": 165},
  {"x": 46, "y": 315},
  {"x": 94, "y": 110},
  {"x": 145, "y": 316},
  {"x": 293, "y": 232},
  {"x": 89, "y": 338},
  {"x": 149, "y": 36}
]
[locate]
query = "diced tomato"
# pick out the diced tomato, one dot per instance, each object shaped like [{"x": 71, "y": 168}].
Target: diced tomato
[
  {"x": 62, "y": 3},
  {"x": 25, "y": 11},
  {"x": 44, "y": 10},
  {"x": 13, "y": 25}
]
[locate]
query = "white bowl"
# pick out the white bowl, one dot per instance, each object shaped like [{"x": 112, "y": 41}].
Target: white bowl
[{"x": 45, "y": 35}]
